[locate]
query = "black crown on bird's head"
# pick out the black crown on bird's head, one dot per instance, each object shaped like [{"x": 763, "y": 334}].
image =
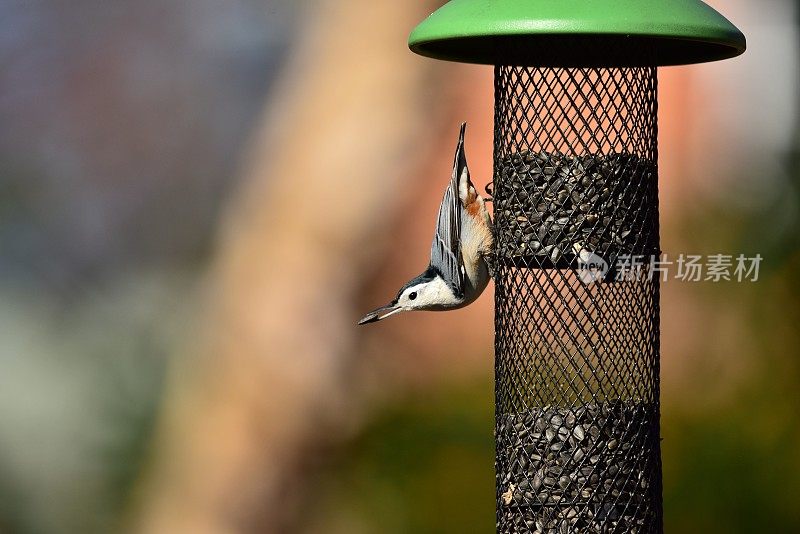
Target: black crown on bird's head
[{"x": 427, "y": 276}]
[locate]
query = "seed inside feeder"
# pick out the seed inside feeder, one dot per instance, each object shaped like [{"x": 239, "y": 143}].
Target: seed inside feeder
[
  {"x": 584, "y": 484},
  {"x": 549, "y": 204}
]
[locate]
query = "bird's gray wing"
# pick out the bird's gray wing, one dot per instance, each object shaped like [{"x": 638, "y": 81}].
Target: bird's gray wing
[{"x": 446, "y": 246}]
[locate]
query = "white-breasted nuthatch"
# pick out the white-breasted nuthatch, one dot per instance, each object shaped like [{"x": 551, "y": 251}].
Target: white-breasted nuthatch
[{"x": 461, "y": 252}]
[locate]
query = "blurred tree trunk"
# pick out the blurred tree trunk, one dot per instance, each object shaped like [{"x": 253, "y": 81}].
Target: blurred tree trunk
[{"x": 264, "y": 383}]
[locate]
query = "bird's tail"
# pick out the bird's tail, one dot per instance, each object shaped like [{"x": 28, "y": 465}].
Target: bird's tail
[
  {"x": 460, "y": 162},
  {"x": 460, "y": 169}
]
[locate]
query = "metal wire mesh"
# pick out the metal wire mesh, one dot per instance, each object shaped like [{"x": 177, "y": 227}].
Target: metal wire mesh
[{"x": 577, "y": 363}]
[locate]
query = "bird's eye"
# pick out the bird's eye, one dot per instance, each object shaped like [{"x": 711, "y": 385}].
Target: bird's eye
[{"x": 412, "y": 295}]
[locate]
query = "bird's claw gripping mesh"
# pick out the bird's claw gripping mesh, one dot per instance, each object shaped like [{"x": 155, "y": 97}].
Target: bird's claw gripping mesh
[{"x": 577, "y": 360}]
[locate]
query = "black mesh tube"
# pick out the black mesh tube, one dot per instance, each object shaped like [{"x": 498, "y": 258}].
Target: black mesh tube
[{"x": 577, "y": 359}]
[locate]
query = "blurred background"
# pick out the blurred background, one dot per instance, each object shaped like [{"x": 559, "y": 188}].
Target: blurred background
[{"x": 199, "y": 199}]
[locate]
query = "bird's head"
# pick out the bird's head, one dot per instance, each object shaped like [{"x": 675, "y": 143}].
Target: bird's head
[{"x": 427, "y": 291}]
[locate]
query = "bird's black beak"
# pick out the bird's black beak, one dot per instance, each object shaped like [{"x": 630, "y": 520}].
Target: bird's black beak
[{"x": 380, "y": 313}]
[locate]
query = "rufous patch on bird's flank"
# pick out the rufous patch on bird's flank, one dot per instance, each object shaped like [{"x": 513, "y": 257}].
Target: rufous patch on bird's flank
[{"x": 473, "y": 207}]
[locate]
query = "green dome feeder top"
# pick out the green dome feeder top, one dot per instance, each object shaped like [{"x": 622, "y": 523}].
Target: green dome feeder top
[{"x": 577, "y": 33}]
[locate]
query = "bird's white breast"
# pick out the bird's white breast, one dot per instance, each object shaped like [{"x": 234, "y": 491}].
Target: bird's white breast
[
  {"x": 438, "y": 296},
  {"x": 476, "y": 240}
]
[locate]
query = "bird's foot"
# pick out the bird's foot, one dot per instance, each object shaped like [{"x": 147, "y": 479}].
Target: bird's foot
[
  {"x": 491, "y": 263},
  {"x": 489, "y": 192}
]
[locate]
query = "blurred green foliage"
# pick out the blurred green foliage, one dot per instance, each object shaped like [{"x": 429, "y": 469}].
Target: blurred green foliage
[{"x": 424, "y": 465}]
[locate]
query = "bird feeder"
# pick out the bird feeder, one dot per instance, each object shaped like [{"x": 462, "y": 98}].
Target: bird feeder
[{"x": 576, "y": 183}]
